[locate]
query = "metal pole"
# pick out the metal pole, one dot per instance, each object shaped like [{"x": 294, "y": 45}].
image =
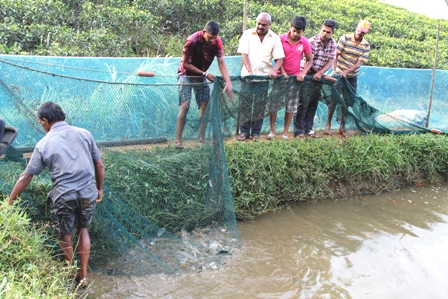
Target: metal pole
[{"x": 433, "y": 75}]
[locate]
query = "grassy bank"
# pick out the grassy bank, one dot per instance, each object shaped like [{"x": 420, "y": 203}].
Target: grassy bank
[
  {"x": 266, "y": 176},
  {"x": 27, "y": 269}
]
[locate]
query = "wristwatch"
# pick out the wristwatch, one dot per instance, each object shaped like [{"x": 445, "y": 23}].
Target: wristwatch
[{"x": 204, "y": 74}]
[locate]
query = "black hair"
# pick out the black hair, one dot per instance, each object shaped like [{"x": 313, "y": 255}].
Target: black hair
[
  {"x": 51, "y": 111},
  {"x": 299, "y": 22},
  {"x": 212, "y": 27},
  {"x": 329, "y": 23}
]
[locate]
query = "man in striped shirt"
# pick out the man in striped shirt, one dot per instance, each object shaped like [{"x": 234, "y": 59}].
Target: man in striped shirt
[
  {"x": 77, "y": 172},
  {"x": 352, "y": 51}
]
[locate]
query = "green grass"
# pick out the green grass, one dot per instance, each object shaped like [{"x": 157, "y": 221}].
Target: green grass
[
  {"x": 268, "y": 176},
  {"x": 27, "y": 268}
]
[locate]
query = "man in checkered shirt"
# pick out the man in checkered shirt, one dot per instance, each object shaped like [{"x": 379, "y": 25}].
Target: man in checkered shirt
[{"x": 323, "y": 48}]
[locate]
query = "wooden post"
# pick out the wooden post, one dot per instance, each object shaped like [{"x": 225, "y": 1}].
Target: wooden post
[
  {"x": 237, "y": 129},
  {"x": 433, "y": 75},
  {"x": 245, "y": 15}
]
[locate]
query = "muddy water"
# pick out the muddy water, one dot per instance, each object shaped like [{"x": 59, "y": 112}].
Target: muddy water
[{"x": 393, "y": 245}]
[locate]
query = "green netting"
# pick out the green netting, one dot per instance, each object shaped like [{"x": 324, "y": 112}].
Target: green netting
[{"x": 165, "y": 209}]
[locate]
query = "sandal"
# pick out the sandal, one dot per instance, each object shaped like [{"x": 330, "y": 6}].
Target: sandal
[
  {"x": 284, "y": 137},
  {"x": 300, "y": 136},
  {"x": 256, "y": 137},
  {"x": 271, "y": 135},
  {"x": 313, "y": 134},
  {"x": 242, "y": 137}
]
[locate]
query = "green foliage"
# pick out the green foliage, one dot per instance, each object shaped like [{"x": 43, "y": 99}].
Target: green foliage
[
  {"x": 26, "y": 266},
  {"x": 150, "y": 28},
  {"x": 267, "y": 176}
]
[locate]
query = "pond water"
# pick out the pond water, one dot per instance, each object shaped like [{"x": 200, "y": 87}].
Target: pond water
[{"x": 392, "y": 245}]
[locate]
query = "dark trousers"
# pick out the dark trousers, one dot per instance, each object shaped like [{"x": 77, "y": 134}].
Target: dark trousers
[
  {"x": 304, "y": 117},
  {"x": 251, "y": 128},
  {"x": 252, "y": 106}
]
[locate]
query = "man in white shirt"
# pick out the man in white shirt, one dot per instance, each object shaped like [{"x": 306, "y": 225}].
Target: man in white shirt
[{"x": 258, "y": 46}]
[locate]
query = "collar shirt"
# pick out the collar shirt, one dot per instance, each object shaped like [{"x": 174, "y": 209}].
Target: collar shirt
[
  {"x": 350, "y": 53},
  {"x": 69, "y": 153},
  {"x": 322, "y": 54},
  {"x": 260, "y": 53},
  {"x": 294, "y": 53},
  {"x": 199, "y": 53}
]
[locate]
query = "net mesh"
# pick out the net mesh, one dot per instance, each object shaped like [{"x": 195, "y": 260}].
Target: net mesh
[{"x": 167, "y": 210}]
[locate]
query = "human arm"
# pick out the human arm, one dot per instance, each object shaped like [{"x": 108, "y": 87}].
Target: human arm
[
  {"x": 334, "y": 63},
  {"x": 306, "y": 68},
  {"x": 351, "y": 69},
  {"x": 283, "y": 72},
  {"x": 20, "y": 186},
  {"x": 363, "y": 57},
  {"x": 99, "y": 178},
  {"x": 225, "y": 74},
  {"x": 246, "y": 62},
  {"x": 277, "y": 66},
  {"x": 318, "y": 74},
  {"x": 188, "y": 66}
]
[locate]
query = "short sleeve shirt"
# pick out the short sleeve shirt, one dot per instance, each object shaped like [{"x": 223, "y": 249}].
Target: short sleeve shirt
[
  {"x": 260, "y": 53},
  {"x": 199, "y": 53},
  {"x": 322, "y": 54},
  {"x": 69, "y": 153},
  {"x": 350, "y": 53},
  {"x": 294, "y": 53}
]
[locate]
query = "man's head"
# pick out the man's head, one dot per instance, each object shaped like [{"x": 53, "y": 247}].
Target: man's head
[
  {"x": 362, "y": 28},
  {"x": 211, "y": 31},
  {"x": 48, "y": 114},
  {"x": 263, "y": 23},
  {"x": 327, "y": 30},
  {"x": 298, "y": 26}
]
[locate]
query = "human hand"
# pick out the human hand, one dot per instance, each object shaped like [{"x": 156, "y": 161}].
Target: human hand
[
  {"x": 229, "y": 90},
  {"x": 300, "y": 77},
  {"x": 210, "y": 77},
  {"x": 10, "y": 200},
  {"x": 317, "y": 76},
  {"x": 100, "y": 196},
  {"x": 273, "y": 74}
]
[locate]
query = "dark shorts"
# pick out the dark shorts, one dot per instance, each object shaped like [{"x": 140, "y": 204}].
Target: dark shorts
[
  {"x": 74, "y": 209},
  {"x": 198, "y": 84}
]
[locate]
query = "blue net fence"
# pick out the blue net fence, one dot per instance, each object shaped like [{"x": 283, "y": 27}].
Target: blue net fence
[{"x": 169, "y": 210}]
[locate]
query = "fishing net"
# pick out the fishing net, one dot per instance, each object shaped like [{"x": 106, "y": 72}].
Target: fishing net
[{"x": 167, "y": 210}]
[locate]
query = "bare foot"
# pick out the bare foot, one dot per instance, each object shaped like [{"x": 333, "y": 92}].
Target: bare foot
[
  {"x": 344, "y": 133},
  {"x": 81, "y": 283},
  {"x": 327, "y": 131}
]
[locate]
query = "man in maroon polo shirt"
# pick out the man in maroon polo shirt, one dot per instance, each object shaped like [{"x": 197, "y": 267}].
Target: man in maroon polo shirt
[{"x": 199, "y": 51}]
